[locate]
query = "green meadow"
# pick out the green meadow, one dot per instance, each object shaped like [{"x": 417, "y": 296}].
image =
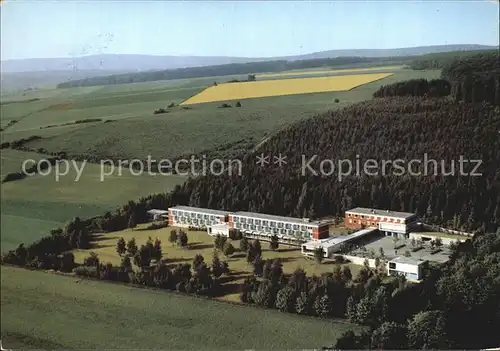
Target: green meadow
[{"x": 82, "y": 314}]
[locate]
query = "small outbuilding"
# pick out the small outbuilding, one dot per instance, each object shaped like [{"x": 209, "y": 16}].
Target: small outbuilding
[
  {"x": 409, "y": 267},
  {"x": 155, "y": 214}
]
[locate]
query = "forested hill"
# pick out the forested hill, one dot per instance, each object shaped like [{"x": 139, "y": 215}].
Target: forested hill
[{"x": 382, "y": 129}]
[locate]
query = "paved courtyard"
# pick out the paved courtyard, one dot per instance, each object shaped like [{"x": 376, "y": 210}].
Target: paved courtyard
[{"x": 388, "y": 245}]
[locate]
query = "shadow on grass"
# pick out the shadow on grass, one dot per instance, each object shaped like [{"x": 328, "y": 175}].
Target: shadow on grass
[
  {"x": 177, "y": 260},
  {"x": 230, "y": 288},
  {"x": 100, "y": 237},
  {"x": 288, "y": 249},
  {"x": 239, "y": 255},
  {"x": 200, "y": 246},
  {"x": 94, "y": 245},
  {"x": 231, "y": 278}
]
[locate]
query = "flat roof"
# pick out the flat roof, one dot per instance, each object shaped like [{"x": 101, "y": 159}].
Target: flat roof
[
  {"x": 277, "y": 218},
  {"x": 407, "y": 260},
  {"x": 378, "y": 212},
  {"x": 155, "y": 211},
  {"x": 326, "y": 243},
  {"x": 199, "y": 209}
]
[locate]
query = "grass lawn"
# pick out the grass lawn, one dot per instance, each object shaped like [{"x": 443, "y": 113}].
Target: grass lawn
[
  {"x": 43, "y": 310},
  {"x": 202, "y": 243},
  {"x": 34, "y": 205},
  {"x": 12, "y": 160}
]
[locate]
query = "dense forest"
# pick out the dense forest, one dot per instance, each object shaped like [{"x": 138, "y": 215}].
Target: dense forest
[
  {"x": 475, "y": 78},
  {"x": 415, "y": 87},
  {"x": 472, "y": 78},
  {"x": 442, "y": 59},
  {"x": 232, "y": 69},
  {"x": 382, "y": 129}
]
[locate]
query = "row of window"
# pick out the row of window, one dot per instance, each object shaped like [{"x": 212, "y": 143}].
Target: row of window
[
  {"x": 406, "y": 274},
  {"x": 356, "y": 222},
  {"x": 376, "y": 218},
  {"x": 268, "y": 223},
  {"x": 182, "y": 214},
  {"x": 277, "y": 231},
  {"x": 189, "y": 220}
]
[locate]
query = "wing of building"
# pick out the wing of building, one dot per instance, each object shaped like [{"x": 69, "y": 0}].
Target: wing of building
[{"x": 389, "y": 222}]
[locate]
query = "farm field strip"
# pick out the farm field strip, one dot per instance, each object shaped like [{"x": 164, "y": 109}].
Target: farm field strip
[
  {"x": 249, "y": 90},
  {"x": 330, "y": 71}
]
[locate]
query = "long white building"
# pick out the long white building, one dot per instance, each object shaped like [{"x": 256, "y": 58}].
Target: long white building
[
  {"x": 186, "y": 216},
  {"x": 299, "y": 229}
]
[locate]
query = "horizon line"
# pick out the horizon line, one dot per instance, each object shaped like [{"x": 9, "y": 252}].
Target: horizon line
[{"x": 244, "y": 57}]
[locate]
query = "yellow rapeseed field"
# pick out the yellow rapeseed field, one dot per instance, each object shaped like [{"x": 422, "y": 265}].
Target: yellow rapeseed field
[
  {"x": 264, "y": 88},
  {"x": 331, "y": 71}
]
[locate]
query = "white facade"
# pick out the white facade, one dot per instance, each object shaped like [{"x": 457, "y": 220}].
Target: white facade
[
  {"x": 277, "y": 226},
  {"x": 185, "y": 216},
  {"x": 411, "y": 268},
  {"x": 392, "y": 227},
  {"x": 287, "y": 228},
  {"x": 218, "y": 229}
]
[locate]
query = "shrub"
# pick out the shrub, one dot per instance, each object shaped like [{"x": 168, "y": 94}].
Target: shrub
[
  {"x": 235, "y": 234},
  {"x": 228, "y": 249},
  {"x": 157, "y": 225},
  {"x": 238, "y": 104},
  {"x": 224, "y": 105},
  {"x": 86, "y": 271},
  {"x": 160, "y": 110},
  {"x": 337, "y": 101}
]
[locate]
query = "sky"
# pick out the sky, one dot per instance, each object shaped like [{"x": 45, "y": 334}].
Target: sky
[{"x": 70, "y": 28}]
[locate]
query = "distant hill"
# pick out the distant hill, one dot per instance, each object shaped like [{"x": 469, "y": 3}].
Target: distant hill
[
  {"x": 38, "y": 72},
  {"x": 415, "y": 51},
  {"x": 132, "y": 63}
]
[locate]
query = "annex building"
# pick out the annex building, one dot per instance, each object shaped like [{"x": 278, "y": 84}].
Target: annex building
[
  {"x": 334, "y": 244},
  {"x": 390, "y": 223},
  {"x": 409, "y": 267}
]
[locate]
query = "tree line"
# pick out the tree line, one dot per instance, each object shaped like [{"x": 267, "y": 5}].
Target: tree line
[
  {"x": 475, "y": 78},
  {"x": 152, "y": 268},
  {"x": 443, "y": 59},
  {"x": 415, "y": 87},
  {"x": 232, "y": 69}
]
